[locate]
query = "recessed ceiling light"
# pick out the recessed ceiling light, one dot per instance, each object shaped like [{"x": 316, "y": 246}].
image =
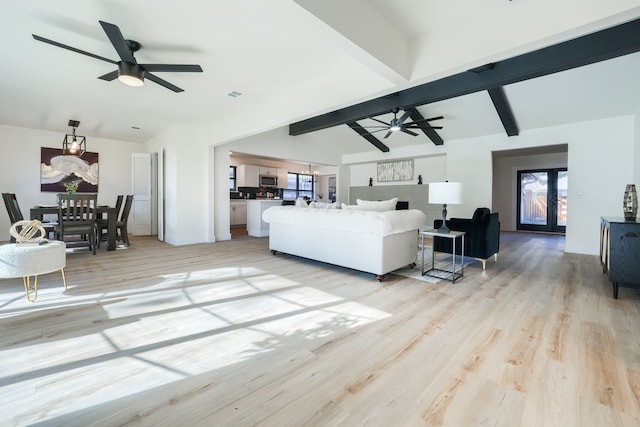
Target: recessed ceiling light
[{"x": 234, "y": 94}]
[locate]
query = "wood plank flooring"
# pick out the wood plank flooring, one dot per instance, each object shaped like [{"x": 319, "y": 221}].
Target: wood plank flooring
[{"x": 227, "y": 334}]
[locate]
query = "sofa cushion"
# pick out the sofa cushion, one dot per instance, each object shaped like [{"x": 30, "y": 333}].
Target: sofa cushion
[
  {"x": 377, "y": 206},
  {"x": 380, "y": 223}
]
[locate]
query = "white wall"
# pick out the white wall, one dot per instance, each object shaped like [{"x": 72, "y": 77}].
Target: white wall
[
  {"x": 20, "y": 168},
  {"x": 432, "y": 168},
  {"x": 187, "y": 187},
  {"x": 279, "y": 144},
  {"x": 601, "y": 155},
  {"x": 220, "y": 207}
]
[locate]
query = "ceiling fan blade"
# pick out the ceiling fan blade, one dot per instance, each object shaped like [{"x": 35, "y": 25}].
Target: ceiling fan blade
[
  {"x": 162, "y": 82},
  {"x": 405, "y": 130},
  {"x": 73, "y": 49},
  {"x": 117, "y": 40},
  {"x": 110, "y": 76},
  {"x": 177, "y": 68},
  {"x": 421, "y": 126},
  {"x": 388, "y": 133},
  {"x": 428, "y": 120},
  {"x": 380, "y": 121}
]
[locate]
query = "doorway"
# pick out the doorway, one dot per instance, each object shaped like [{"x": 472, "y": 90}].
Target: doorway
[{"x": 542, "y": 200}]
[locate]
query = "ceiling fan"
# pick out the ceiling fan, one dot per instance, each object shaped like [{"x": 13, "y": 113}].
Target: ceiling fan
[
  {"x": 129, "y": 71},
  {"x": 398, "y": 124}
]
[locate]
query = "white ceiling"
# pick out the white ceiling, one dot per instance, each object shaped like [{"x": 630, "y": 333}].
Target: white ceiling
[{"x": 296, "y": 59}]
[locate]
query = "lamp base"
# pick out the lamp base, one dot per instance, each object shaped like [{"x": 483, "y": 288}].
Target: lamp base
[{"x": 443, "y": 228}]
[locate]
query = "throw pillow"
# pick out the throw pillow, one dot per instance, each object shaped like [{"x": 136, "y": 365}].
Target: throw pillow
[
  {"x": 301, "y": 203},
  {"x": 381, "y": 206},
  {"x": 322, "y": 205}
]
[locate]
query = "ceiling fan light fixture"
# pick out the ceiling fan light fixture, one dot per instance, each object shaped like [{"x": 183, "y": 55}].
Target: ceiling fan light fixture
[
  {"x": 394, "y": 127},
  {"x": 130, "y": 74}
]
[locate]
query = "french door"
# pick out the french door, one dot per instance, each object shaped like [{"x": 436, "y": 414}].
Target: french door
[{"x": 542, "y": 200}]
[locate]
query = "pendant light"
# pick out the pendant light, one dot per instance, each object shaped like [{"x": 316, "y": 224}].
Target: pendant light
[{"x": 74, "y": 145}]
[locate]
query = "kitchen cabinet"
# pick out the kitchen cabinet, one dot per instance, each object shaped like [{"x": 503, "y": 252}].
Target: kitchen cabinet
[
  {"x": 620, "y": 251},
  {"x": 283, "y": 177},
  {"x": 269, "y": 171},
  {"x": 247, "y": 175},
  {"x": 238, "y": 213}
]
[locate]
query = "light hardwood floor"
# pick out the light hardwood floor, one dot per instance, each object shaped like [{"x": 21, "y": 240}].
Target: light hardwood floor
[{"x": 227, "y": 334}]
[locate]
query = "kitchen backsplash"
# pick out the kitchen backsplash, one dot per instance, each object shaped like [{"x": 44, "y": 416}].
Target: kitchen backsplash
[{"x": 256, "y": 193}]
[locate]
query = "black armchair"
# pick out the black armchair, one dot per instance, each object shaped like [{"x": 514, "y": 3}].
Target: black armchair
[{"x": 482, "y": 235}]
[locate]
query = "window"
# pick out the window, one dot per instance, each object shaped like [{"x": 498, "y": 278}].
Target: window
[
  {"x": 232, "y": 177},
  {"x": 298, "y": 185}
]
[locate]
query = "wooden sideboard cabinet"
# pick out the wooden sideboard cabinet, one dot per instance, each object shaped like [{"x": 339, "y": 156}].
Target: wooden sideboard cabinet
[{"x": 620, "y": 251}]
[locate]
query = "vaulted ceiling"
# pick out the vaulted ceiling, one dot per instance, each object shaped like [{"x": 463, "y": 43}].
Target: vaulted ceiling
[
  {"x": 296, "y": 62},
  {"x": 602, "y": 45}
]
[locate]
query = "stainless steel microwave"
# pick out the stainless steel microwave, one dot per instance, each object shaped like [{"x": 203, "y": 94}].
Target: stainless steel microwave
[{"x": 268, "y": 181}]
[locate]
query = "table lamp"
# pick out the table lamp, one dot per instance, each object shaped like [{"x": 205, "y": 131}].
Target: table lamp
[{"x": 445, "y": 193}]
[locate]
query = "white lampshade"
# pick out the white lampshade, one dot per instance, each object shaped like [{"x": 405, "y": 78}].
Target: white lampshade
[{"x": 447, "y": 193}]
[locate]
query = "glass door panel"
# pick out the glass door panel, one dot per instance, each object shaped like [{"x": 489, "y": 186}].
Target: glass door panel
[
  {"x": 542, "y": 200},
  {"x": 533, "y": 198},
  {"x": 562, "y": 198}
]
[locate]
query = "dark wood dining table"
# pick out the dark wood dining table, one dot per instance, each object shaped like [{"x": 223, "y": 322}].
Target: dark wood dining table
[{"x": 37, "y": 212}]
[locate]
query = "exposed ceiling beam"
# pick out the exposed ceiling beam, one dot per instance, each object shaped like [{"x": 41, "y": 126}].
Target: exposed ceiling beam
[
  {"x": 504, "y": 110},
  {"x": 599, "y": 46},
  {"x": 427, "y": 129},
  {"x": 366, "y": 135}
]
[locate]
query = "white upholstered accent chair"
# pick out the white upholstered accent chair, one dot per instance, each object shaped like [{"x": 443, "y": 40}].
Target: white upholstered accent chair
[{"x": 26, "y": 260}]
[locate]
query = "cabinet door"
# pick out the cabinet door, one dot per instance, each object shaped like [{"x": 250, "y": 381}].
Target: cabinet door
[
  {"x": 283, "y": 176},
  {"x": 232, "y": 215},
  {"x": 241, "y": 214},
  {"x": 624, "y": 252},
  {"x": 268, "y": 171},
  {"x": 238, "y": 213},
  {"x": 247, "y": 176}
]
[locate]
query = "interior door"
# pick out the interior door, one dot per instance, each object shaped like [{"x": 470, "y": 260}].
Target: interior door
[
  {"x": 140, "y": 215},
  {"x": 542, "y": 200}
]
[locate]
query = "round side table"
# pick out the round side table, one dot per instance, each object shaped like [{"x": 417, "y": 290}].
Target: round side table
[{"x": 26, "y": 260}]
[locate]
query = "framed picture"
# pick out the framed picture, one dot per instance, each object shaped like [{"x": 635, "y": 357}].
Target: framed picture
[
  {"x": 57, "y": 170},
  {"x": 397, "y": 170}
]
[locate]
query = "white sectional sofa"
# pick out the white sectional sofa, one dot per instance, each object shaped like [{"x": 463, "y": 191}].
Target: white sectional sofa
[{"x": 374, "y": 242}]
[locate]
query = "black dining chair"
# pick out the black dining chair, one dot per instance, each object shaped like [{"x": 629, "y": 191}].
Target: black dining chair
[
  {"x": 15, "y": 214},
  {"x": 103, "y": 223},
  {"x": 102, "y": 226},
  {"x": 77, "y": 217}
]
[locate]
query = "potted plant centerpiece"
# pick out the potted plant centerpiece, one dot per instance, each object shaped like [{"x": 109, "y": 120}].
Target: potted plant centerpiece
[{"x": 71, "y": 187}]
